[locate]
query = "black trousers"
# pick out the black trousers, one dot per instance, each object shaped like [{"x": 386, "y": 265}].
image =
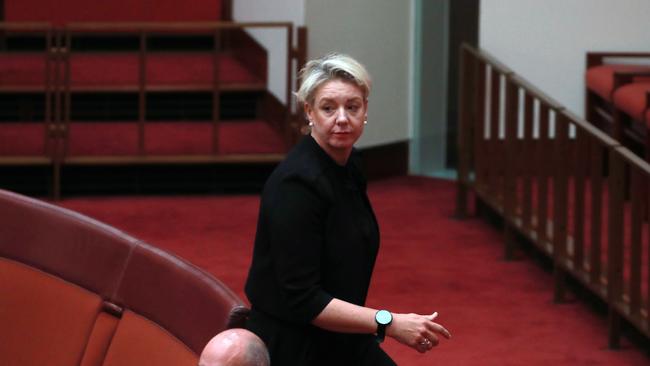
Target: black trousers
[{"x": 297, "y": 345}]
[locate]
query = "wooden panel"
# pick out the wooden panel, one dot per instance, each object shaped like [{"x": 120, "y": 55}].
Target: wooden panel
[
  {"x": 247, "y": 51},
  {"x": 637, "y": 201}
]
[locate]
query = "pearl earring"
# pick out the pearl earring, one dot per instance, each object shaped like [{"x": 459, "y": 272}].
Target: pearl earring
[
  {"x": 365, "y": 122},
  {"x": 311, "y": 123}
]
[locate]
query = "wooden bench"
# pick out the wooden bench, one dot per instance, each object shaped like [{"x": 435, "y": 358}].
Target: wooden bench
[{"x": 617, "y": 95}]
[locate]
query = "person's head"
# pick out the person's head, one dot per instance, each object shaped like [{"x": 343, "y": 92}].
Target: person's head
[
  {"x": 235, "y": 347},
  {"x": 334, "y": 92}
]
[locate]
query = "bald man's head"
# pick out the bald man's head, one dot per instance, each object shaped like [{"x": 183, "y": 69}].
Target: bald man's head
[{"x": 235, "y": 347}]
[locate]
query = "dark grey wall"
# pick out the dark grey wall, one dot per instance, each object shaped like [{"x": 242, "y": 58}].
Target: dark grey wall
[{"x": 463, "y": 27}]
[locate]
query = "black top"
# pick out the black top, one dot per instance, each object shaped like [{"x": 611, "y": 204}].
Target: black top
[{"x": 317, "y": 239}]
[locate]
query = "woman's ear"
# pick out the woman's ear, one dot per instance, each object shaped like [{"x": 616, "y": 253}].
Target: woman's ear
[{"x": 308, "y": 111}]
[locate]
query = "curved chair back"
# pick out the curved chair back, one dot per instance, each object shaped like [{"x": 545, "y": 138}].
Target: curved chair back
[{"x": 76, "y": 291}]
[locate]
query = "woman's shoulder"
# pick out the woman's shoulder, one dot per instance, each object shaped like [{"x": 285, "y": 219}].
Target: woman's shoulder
[
  {"x": 302, "y": 168},
  {"x": 305, "y": 161}
]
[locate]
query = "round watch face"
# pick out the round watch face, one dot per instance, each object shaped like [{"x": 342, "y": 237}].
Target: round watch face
[{"x": 384, "y": 317}]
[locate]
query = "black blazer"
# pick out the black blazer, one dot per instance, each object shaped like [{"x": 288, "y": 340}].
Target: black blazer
[{"x": 317, "y": 237}]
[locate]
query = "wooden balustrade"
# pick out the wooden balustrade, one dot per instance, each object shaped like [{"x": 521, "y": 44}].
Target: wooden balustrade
[
  {"x": 575, "y": 193},
  {"x": 58, "y": 86}
]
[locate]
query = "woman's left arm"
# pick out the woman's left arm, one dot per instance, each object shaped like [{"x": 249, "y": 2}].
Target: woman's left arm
[{"x": 409, "y": 329}]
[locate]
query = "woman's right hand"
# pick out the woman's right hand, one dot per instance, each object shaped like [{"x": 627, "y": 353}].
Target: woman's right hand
[{"x": 417, "y": 331}]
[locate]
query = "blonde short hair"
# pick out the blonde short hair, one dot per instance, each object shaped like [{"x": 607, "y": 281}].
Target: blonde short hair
[{"x": 334, "y": 66}]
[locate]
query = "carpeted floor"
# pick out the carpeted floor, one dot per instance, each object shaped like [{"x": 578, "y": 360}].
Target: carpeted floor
[{"x": 499, "y": 313}]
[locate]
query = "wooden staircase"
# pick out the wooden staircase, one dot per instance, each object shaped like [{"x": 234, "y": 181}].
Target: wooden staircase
[{"x": 114, "y": 95}]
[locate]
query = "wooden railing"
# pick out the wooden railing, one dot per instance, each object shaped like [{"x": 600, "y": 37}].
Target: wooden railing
[
  {"x": 57, "y": 86},
  {"x": 45, "y": 86},
  {"x": 574, "y": 192}
]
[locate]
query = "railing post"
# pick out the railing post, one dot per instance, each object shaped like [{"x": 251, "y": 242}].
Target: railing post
[
  {"x": 637, "y": 194},
  {"x": 526, "y": 155},
  {"x": 510, "y": 171},
  {"x": 596, "y": 164},
  {"x": 466, "y": 107},
  {"x": 543, "y": 170},
  {"x": 580, "y": 170},
  {"x": 646, "y": 183},
  {"x": 560, "y": 203},
  {"x": 60, "y": 141},
  {"x": 479, "y": 149},
  {"x": 288, "y": 135},
  {"x": 216, "y": 101},
  {"x": 142, "y": 97},
  {"x": 615, "y": 245},
  {"x": 50, "y": 139},
  {"x": 50, "y": 62},
  {"x": 301, "y": 60}
]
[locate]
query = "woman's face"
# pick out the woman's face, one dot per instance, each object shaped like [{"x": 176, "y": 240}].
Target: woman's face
[{"x": 338, "y": 113}]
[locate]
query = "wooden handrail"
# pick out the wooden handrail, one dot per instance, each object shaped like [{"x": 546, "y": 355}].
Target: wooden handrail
[
  {"x": 536, "y": 92},
  {"x": 170, "y": 26},
  {"x": 488, "y": 58},
  {"x": 579, "y": 160},
  {"x": 597, "y": 58},
  {"x": 633, "y": 159},
  {"x": 620, "y": 54},
  {"x": 26, "y": 26},
  {"x": 589, "y": 128}
]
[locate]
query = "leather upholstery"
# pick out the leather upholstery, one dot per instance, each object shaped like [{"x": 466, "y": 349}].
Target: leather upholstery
[
  {"x": 176, "y": 295},
  {"x": 94, "y": 275},
  {"x": 43, "y": 320},
  {"x": 631, "y": 99},
  {"x": 64, "y": 243},
  {"x": 99, "y": 340},
  {"x": 600, "y": 79},
  {"x": 139, "y": 341}
]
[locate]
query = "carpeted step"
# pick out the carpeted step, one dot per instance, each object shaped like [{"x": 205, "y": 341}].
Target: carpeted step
[
  {"x": 161, "y": 138},
  {"x": 165, "y": 71}
]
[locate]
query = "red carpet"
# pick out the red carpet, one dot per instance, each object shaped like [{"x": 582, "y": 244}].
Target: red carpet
[
  {"x": 108, "y": 71},
  {"x": 500, "y": 313}
]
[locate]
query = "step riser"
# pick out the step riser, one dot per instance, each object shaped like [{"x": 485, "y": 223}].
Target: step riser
[{"x": 124, "y": 106}]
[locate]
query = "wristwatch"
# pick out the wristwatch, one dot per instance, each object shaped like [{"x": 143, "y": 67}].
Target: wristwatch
[{"x": 383, "y": 319}]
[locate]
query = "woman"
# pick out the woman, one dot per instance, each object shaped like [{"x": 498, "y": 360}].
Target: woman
[{"x": 317, "y": 238}]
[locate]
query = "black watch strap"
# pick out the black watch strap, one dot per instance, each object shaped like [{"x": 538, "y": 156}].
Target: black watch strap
[{"x": 381, "y": 333}]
